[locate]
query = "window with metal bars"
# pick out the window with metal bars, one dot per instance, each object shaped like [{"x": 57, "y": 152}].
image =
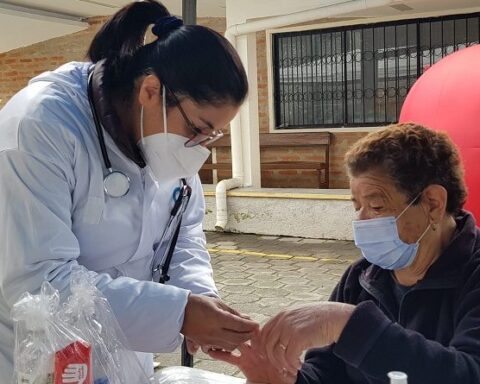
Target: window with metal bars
[{"x": 359, "y": 75}]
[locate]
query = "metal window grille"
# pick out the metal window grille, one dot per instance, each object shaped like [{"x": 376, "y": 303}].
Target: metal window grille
[{"x": 359, "y": 75}]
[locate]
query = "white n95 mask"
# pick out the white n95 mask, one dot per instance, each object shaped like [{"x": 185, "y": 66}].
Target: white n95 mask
[{"x": 167, "y": 155}]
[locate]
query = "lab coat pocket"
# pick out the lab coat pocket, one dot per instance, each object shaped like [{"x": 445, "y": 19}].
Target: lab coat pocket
[{"x": 93, "y": 210}]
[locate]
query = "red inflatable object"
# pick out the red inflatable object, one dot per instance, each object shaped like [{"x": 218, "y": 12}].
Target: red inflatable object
[{"x": 447, "y": 98}]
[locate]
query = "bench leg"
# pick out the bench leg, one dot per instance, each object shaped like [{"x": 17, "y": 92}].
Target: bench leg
[{"x": 322, "y": 181}]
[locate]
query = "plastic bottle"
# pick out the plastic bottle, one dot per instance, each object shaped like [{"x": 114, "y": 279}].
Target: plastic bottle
[{"x": 397, "y": 377}]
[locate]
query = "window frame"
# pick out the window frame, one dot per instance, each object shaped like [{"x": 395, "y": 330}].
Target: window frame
[{"x": 351, "y": 25}]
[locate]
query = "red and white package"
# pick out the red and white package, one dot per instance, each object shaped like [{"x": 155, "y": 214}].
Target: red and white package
[
  {"x": 73, "y": 364},
  {"x": 40, "y": 340}
]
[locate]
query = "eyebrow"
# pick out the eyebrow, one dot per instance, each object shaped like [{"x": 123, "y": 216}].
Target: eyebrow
[{"x": 369, "y": 196}]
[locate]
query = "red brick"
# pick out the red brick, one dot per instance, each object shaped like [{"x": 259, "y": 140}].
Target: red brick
[{"x": 10, "y": 74}]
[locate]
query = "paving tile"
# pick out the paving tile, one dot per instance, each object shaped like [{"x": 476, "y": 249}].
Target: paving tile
[
  {"x": 267, "y": 284},
  {"x": 243, "y": 298},
  {"x": 302, "y": 296},
  {"x": 238, "y": 282},
  {"x": 255, "y": 263},
  {"x": 264, "y": 272},
  {"x": 272, "y": 293},
  {"x": 312, "y": 241},
  {"x": 283, "y": 267},
  {"x": 220, "y": 248},
  {"x": 225, "y": 243},
  {"x": 226, "y": 267},
  {"x": 294, "y": 281},
  {"x": 303, "y": 288},
  {"x": 236, "y": 289},
  {"x": 232, "y": 261},
  {"x": 290, "y": 239},
  {"x": 235, "y": 275}
]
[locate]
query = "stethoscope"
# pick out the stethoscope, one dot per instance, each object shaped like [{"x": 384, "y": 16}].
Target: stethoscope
[
  {"x": 161, "y": 263},
  {"x": 115, "y": 183}
]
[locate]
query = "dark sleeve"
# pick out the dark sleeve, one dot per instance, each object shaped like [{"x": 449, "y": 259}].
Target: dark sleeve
[
  {"x": 321, "y": 366},
  {"x": 375, "y": 345},
  {"x": 348, "y": 288}
]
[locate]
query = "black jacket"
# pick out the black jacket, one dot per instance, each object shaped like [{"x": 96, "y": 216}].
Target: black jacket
[{"x": 433, "y": 335}]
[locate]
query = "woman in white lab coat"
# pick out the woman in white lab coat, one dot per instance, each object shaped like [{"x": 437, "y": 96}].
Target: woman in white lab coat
[{"x": 100, "y": 195}]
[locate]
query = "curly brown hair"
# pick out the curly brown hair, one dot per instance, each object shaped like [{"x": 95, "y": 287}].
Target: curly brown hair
[{"x": 414, "y": 157}]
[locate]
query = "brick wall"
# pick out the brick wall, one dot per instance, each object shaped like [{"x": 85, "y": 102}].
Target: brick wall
[{"x": 20, "y": 65}]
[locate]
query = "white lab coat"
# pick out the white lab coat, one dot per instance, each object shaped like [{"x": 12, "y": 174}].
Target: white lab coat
[{"x": 54, "y": 214}]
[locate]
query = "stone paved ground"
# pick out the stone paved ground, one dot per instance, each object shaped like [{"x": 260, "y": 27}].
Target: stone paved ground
[{"x": 260, "y": 275}]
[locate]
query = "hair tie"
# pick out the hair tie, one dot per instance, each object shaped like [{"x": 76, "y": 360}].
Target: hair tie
[{"x": 164, "y": 25}]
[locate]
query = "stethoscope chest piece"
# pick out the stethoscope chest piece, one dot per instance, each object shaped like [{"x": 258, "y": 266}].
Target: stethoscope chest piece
[{"x": 116, "y": 184}]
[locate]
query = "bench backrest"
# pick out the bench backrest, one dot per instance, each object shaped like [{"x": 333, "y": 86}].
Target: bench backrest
[
  {"x": 284, "y": 140},
  {"x": 294, "y": 139}
]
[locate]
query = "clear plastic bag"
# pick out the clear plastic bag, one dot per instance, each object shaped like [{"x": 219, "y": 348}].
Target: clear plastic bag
[
  {"x": 46, "y": 350},
  {"x": 88, "y": 313},
  {"x": 184, "y": 375}
]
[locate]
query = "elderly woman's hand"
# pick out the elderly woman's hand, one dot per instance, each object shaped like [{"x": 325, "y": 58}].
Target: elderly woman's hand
[
  {"x": 289, "y": 333},
  {"x": 256, "y": 368}
]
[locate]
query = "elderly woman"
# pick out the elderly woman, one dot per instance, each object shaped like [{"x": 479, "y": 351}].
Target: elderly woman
[{"x": 412, "y": 303}]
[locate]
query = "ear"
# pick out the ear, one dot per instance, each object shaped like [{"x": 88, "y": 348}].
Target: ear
[
  {"x": 149, "y": 93},
  {"x": 435, "y": 198}
]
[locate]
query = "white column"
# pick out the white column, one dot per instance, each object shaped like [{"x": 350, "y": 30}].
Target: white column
[{"x": 247, "y": 49}]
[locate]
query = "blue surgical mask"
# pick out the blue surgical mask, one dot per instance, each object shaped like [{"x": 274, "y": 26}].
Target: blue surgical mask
[{"x": 380, "y": 243}]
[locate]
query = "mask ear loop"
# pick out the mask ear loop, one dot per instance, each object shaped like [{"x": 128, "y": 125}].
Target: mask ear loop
[
  {"x": 424, "y": 233},
  {"x": 141, "y": 109},
  {"x": 164, "y": 108},
  {"x": 408, "y": 206},
  {"x": 141, "y": 124}
]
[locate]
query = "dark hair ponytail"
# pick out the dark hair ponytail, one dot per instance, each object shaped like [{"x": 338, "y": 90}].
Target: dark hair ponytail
[
  {"x": 193, "y": 61},
  {"x": 119, "y": 39},
  {"x": 123, "y": 34}
]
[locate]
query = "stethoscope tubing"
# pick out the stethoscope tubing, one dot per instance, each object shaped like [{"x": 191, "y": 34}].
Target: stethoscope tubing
[
  {"x": 181, "y": 201},
  {"x": 103, "y": 148}
]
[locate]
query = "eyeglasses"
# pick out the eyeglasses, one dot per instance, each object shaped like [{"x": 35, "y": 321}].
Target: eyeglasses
[{"x": 199, "y": 137}]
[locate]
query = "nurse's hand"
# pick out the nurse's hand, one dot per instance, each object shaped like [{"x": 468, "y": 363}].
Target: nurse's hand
[
  {"x": 192, "y": 347},
  {"x": 209, "y": 321},
  {"x": 284, "y": 337}
]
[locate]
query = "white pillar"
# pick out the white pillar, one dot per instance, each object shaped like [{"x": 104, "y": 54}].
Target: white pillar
[{"x": 247, "y": 49}]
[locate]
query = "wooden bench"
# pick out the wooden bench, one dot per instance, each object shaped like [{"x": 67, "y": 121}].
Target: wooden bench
[{"x": 286, "y": 140}]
